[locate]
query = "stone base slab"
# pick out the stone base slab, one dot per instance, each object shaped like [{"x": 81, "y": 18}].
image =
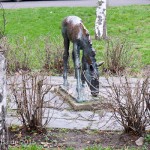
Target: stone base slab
[{"x": 92, "y": 104}]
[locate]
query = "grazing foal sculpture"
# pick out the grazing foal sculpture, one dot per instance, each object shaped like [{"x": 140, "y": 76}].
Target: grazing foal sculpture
[{"x": 73, "y": 30}]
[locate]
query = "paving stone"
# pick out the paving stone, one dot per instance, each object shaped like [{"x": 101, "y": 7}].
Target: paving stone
[{"x": 64, "y": 116}]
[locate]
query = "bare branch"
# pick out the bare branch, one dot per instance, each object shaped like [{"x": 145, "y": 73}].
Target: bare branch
[{"x": 130, "y": 104}]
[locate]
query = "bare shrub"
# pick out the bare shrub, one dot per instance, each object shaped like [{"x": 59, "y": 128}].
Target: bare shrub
[
  {"x": 120, "y": 56},
  {"x": 18, "y": 55},
  {"x": 54, "y": 55},
  {"x": 29, "y": 92},
  {"x": 44, "y": 53},
  {"x": 130, "y": 104}
]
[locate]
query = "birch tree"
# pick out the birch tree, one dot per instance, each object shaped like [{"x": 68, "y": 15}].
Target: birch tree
[{"x": 100, "y": 23}]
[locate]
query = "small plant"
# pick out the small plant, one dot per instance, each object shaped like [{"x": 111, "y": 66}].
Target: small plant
[
  {"x": 27, "y": 147},
  {"x": 147, "y": 138},
  {"x": 64, "y": 130},
  {"x": 69, "y": 148},
  {"x": 98, "y": 148},
  {"x": 120, "y": 56},
  {"x": 14, "y": 128}
]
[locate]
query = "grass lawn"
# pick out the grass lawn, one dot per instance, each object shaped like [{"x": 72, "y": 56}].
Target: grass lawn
[{"x": 130, "y": 22}]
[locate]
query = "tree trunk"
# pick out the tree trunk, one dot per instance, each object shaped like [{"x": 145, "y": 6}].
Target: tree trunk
[
  {"x": 3, "y": 128},
  {"x": 100, "y": 23}
]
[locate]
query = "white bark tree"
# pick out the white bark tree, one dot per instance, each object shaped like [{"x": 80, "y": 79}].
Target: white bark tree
[{"x": 100, "y": 23}]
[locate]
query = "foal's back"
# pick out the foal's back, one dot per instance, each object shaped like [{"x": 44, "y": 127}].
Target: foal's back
[{"x": 73, "y": 28}]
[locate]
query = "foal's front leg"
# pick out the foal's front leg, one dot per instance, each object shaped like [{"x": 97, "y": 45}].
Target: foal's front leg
[
  {"x": 83, "y": 71},
  {"x": 65, "y": 61},
  {"x": 76, "y": 51}
]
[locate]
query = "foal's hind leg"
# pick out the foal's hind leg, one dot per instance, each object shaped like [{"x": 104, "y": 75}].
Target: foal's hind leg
[
  {"x": 65, "y": 60},
  {"x": 76, "y": 54}
]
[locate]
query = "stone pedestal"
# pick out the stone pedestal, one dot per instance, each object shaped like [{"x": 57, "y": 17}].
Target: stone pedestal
[{"x": 88, "y": 102}]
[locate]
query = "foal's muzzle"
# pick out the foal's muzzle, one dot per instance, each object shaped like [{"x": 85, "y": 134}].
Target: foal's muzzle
[
  {"x": 95, "y": 94},
  {"x": 95, "y": 87}
]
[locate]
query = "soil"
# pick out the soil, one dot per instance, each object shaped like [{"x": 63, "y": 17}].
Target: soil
[
  {"x": 77, "y": 139},
  {"x": 146, "y": 70}
]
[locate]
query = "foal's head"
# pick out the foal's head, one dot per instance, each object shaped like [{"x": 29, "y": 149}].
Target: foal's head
[{"x": 92, "y": 74}]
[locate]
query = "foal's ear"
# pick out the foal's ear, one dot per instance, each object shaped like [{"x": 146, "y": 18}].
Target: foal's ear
[
  {"x": 100, "y": 63},
  {"x": 87, "y": 33},
  {"x": 93, "y": 53}
]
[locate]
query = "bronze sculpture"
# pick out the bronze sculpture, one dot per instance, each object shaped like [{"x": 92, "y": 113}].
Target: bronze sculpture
[{"x": 73, "y": 30}]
